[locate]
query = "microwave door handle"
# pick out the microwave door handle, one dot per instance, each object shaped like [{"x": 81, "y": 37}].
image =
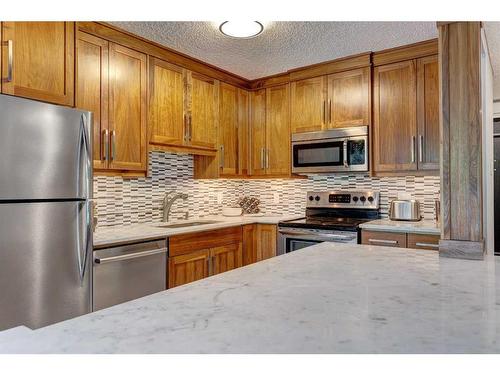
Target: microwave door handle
[{"x": 346, "y": 165}]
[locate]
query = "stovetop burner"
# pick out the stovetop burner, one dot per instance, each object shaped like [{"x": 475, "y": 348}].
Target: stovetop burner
[{"x": 326, "y": 222}]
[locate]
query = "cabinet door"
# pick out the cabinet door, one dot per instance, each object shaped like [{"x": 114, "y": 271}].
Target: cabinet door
[
  {"x": 249, "y": 244},
  {"x": 127, "y": 108},
  {"x": 204, "y": 111},
  {"x": 278, "y": 131},
  {"x": 423, "y": 241},
  {"x": 40, "y": 57},
  {"x": 395, "y": 117},
  {"x": 226, "y": 258},
  {"x": 91, "y": 91},
  {"x": 266, "y": 241},
  {"x": 349, "y": 98},
  {"x": 428, "y": 112},
  {"x": 166, "y": 103},
  {"x": 308, "y": 104},
  {"x": 243, "y": 131},
  {"x": 228, "y": 130},
  {"x": 258, "y": 132},
  {"x": 389, "y": 239},
  {"x": 183, "y": 269}
]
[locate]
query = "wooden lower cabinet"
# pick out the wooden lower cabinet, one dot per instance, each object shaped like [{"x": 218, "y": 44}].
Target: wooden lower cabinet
[
  {"x": 225, "y": 258},
  {"x": 423, "y": 241},
  {"x": 259, "y": 242},
  {"x": 183, "y": 269},
  {"x": 407, "y": 240},
  {"x": 194, "y": 256}
]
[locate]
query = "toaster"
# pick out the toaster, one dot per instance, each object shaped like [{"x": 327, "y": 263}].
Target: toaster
[{"x": 405, "y": 209}]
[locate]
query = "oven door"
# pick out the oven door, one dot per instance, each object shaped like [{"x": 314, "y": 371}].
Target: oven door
[{"x": 291, "y": 239}]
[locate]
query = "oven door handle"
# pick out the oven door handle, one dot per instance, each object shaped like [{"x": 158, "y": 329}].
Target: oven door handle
[
  {"x": 345, "y": 154},
  {"x": 318, "y": 235}
]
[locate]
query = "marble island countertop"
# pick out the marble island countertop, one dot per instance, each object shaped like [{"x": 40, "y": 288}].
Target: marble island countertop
[
  {"x": 422, "y": 226},
  {"x": 115, "y": 235},
  {"x": 328, "y": 298}
]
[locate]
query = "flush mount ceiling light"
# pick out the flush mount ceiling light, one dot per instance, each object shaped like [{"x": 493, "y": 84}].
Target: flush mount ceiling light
[{"x": 241, "y": 29}]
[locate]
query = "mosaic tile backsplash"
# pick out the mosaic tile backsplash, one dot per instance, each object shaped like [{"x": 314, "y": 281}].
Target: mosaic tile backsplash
[{"x": 129, "y": 201}]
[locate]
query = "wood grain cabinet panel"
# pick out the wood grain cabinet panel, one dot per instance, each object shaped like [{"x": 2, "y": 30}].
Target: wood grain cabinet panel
[
  {"x": 226, "y": 258},
  {"x": 308, "y": 104},
  {"x": 389, "y": 239},
  {"x": 249, "y": 244},
  {"x": 43, "y": 60},
  {"x": 395, "y": 117},
  {"x": 166, "y": 103},
  {"x": 243, "y": 132},
  {"x": 258, "y": 132},
  {"x": 266, "y": 241},
  {"x": 187, "y": 268},
  {"x": 127, "y": 109},
  {"x": 423, "y": 241},
  {"x": 278, "y": 131},
  {"x": 228, "y": 129},
  {"x": 92, "y": 94},
  {"x": 204, "y": 111},
  {"x": 428, "y": 113},
  {"x": 349, "y": 98}
]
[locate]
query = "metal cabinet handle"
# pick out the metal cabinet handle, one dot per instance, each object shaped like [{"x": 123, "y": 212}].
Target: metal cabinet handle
[
  {"x": 330, "y": 111},
  {"x": 413, "y": 149},
  {"x": 346, "y": 165},
  {"x": 222, "y": 156},
  {"x": 139, "y": 254},
  {"x": 113, "y": 145},
  {"x": 190, "y": 127},
  {"x": 324, "y": 111},
  {"x": 390, "y": 242},
  {"x": 423, "y": 244},
  {"x": 10, "y": 60},
  {"x": 262, "y": 157},
  {"x": 421, "y": 148},
  {"x": 105, "y": 141},
  {"x": 267, "y": 158},
  {"x": 186, "y": 130}
]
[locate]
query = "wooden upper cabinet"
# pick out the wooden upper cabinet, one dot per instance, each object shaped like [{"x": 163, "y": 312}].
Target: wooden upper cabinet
[
  {"x": 428, "y": 113},
  {"x": 243, "y": 132},
  {"x": 349, "y": 98},
  {"x": 395, "y": 117},
  {"x": 228, "y": 129},
  {"x": 91, "y": 92},
  {"x": 258, "y": 132},
  {"x": 127, "y": 109},
  {"x": 40, "y": 57},
  {"x": 166, "y": 103},
  {"x": 183, "y": 269},
  {"x": 308, "y": 104},
  {"x": 226, "y": 258},
  {"x": 278, "y": 130},
  {"x": 204, "y": 111}
]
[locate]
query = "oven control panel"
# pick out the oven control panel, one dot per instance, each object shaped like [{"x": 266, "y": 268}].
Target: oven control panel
[{"x": 343, "y": 199}]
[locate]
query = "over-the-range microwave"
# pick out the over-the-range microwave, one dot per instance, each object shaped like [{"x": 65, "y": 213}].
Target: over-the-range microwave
[{"x": 336, "y": 150}]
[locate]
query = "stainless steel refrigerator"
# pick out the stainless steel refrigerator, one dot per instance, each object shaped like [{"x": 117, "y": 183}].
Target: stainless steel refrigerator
[{"x": 45, "y": 213}]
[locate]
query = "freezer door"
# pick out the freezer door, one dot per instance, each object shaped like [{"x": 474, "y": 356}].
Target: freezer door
[
  {"x": 45, "y": 262},
  {"x": 45, "y": 151}
]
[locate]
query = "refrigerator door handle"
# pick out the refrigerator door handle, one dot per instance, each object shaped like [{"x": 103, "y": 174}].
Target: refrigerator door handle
[
  {"x": 84, "y": 139},
  {"x": 83, "y": 256}
]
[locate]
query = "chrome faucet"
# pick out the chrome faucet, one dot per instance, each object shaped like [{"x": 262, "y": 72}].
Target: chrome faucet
[{"x": 167, "y": 204}]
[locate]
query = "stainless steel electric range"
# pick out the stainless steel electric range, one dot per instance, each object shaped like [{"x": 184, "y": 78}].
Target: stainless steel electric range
[{"x": 331, "y": 216}]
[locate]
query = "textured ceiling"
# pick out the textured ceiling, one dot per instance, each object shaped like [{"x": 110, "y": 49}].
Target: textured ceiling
[{"x": 282, "y": 45}]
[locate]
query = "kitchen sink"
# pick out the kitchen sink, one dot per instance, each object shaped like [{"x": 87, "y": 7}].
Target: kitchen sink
[{"x": 189, "y": 224}]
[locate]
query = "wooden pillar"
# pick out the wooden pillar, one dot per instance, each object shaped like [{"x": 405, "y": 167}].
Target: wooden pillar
[{"x": 461, "y": 148}]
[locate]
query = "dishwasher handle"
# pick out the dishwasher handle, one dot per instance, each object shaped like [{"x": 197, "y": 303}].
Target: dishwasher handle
[{"x": 139, "y": 254}]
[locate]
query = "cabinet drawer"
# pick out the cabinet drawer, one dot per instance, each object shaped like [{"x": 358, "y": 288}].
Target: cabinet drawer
[
  {"x": 423, "y": 241},
  {"x": 187, "y": 243},
  {"x": 383, "y": 238}
]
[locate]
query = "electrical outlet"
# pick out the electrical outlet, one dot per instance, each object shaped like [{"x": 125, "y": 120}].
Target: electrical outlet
[
  {"x": 276, "y": 198},
  {"x": 219, "y": 197}
]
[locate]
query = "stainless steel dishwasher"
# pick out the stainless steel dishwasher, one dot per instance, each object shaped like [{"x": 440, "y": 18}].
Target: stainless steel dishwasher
[{"x": 129, "y": 271}]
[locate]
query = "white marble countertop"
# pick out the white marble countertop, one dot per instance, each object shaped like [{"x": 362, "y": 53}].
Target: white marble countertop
[
  {"x": 387, "y": 225},
  {"x": 329, "y": 298},
  {"x": 109, "y": 236}
]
